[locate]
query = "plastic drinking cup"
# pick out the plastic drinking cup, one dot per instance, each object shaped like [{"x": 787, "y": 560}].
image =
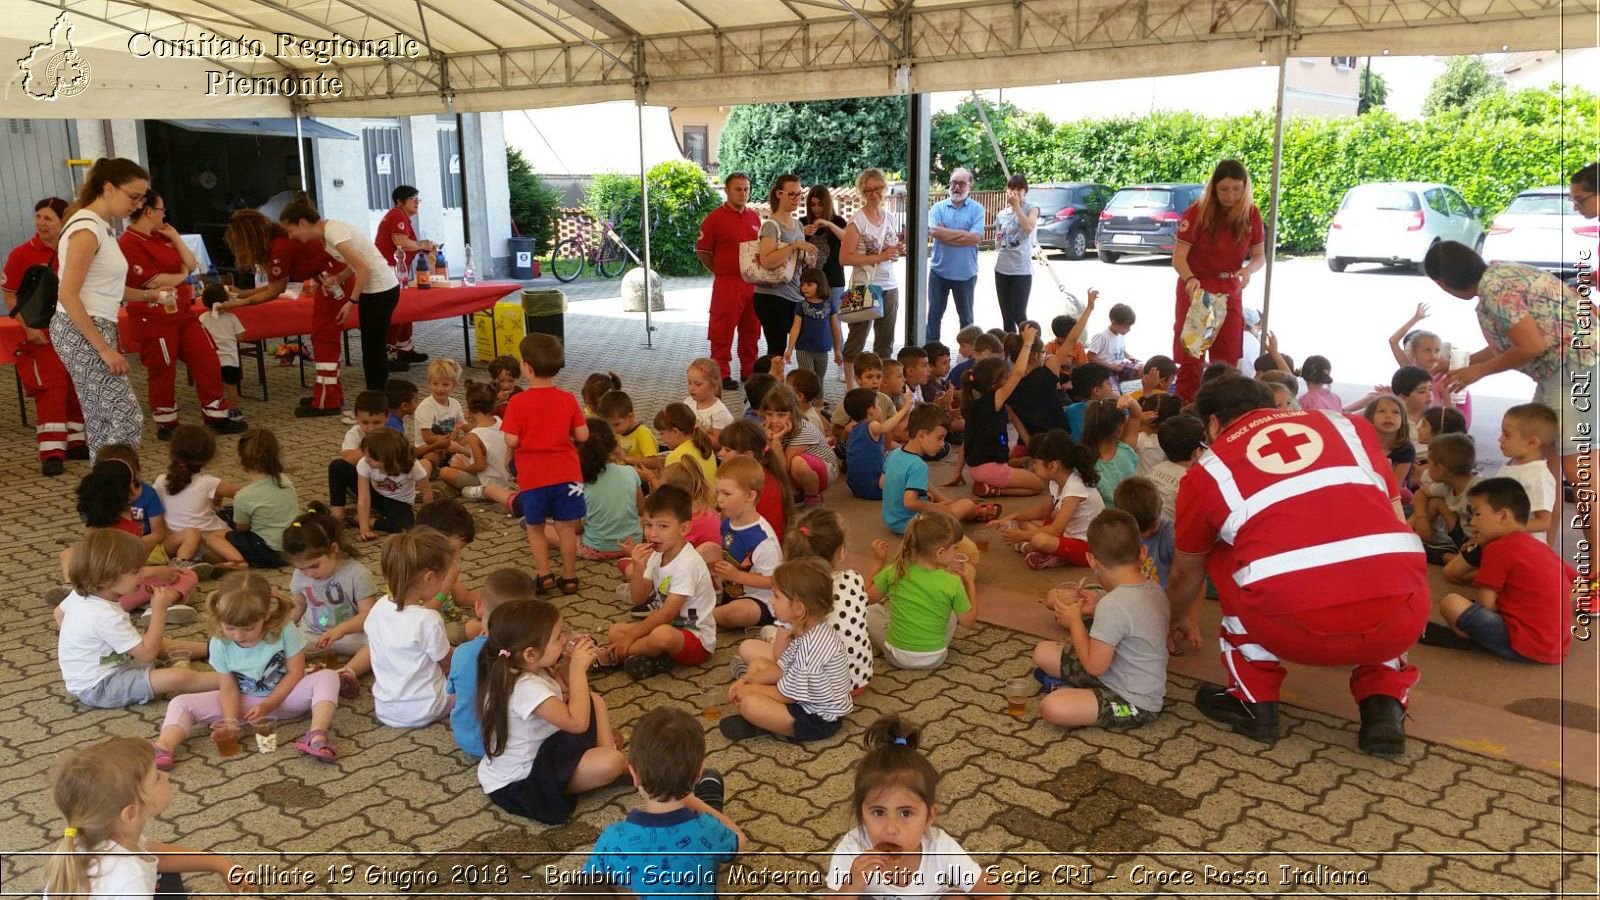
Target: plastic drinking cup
[
  {"x": 226, "y": 736},
  {"x": 1017, "y": 693}
]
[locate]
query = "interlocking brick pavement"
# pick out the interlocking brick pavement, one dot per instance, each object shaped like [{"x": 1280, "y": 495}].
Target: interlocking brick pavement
[{"x": 1175, "y": 797}]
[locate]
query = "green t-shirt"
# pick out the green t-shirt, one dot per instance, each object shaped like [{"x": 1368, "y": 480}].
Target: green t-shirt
[
  {"x": 920, "y": 606},
  {"x": 267, "y": 508}
]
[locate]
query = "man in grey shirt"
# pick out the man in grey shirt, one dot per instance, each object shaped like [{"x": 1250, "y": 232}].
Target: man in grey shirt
[{"x": 1111, "y": 672}]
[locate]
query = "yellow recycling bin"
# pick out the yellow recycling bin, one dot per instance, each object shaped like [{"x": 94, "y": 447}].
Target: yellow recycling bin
[{"x": 498, "y": 331}]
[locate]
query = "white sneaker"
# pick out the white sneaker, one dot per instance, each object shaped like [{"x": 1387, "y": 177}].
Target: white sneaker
[
  {"x": 202, "y": 570},
  {"x": 768, "y": 633},
  {"x": 348, "y": 417},
  {"x": 177, "y": 614},
  {"x": 472, "y": 492}
]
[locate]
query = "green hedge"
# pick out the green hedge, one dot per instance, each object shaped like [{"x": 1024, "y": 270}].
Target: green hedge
[
  {"x": 1505, "y": 144},
  {"x": 680, "y": 198},
  {"x": 824, "y": 142},
  {"x": 534, "y": 204}
]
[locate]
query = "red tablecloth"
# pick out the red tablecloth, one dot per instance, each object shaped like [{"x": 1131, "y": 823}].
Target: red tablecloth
[{"x": 286, "y": 316}]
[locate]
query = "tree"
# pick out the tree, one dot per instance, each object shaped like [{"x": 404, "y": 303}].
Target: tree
[
  {"x": 1374, "y": 90},
  {"x": 824, "y": 142},
  {"x": 1465, "y": 81},
  {"x": 534, "y": 204}
]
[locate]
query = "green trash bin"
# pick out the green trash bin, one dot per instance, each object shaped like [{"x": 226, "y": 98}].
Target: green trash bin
[{"x": 545, "y": 312}]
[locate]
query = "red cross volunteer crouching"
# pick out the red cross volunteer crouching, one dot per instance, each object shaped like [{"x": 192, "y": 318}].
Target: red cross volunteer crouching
[{"x": 1296, "y": 517}]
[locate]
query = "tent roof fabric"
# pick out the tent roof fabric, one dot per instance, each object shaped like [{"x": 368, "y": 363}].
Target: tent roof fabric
[{"x": 508, "y": 54}]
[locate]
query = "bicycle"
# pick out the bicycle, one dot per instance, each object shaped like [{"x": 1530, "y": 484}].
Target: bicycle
[{"x": 605, "y": 253}]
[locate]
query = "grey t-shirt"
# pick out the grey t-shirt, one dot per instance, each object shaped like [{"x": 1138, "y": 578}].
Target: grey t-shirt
[
  {"x": 787, "y": 233},
  {"x": 1134, "y": 619},
  {"x": 1014, "y": 250}
]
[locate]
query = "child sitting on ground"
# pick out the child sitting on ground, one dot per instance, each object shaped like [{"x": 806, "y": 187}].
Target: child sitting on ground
[
  {"x": 681, "y": 809},
  {"x": 776, "y": 503},
  {"x": 906, "y": 488},
  {"x": 260, "y": 660},
  {"x": 967, "y": 350},
  {"x": 1035, "y": 404},
  {"x": 938, "y": 370},
  {"x": 438, "y": 414},
  {"x": 895, "y": 840},
  {"x": 1154, "y": 411},
  {"x": 372, "y": 415},
  {"x": 103, "y": 497},
  {"x": 986, "y": 449},
  {"x": 190, "y": 497},
  {"x": 1090, "y": 382},
  {"x": 333, "y": 593},
  {"x": 670, "y": 580},
  {"x": 1285, "y": 390},
  {"x": 388, "y": 480},
  {"x": 541, "y": 426},
  {"x": 705, "y": 384},
  {"x": 478, "y": 454},
  {"x": 1526, "y": 430},
  {"x": 1525, "y": 590},
  {"x": 634, "y": 439},
  {"x": 920, "y": 599},
  {"x": 1442, "y": 518},
  {"x": 894, "y": 380},
  {"x": 1055, "y": 533},
  {"x": 820, "y": 534},
  {"x": 1157, "y": 377},
  {"x": 705, "y": 526},
  {"x": 808, "y": 388},
  {"x": 868, "y": 375},
  {"x": 1388, "y": 418},
  {"x": 1109, "y": 347},
  {"x": 686, "y": 439},
  {"x": 105, "y": 663},
  {"x": 1061, "y": 327},
  {"x": 743, "y": 561},
  {"x": 1183, "y": 439},
  {"x": 406, "y": 639},
  {"x": 146, "y": 508},
  {"x": 1111, "y": 673},
  {"x": 595, "y": 387},
  {"x": 1139, "y": 498},
  {"x": 401, "y": 395},
  {"x": 264, "y": 507},
  {"x": 812, "y": 464},
  {"x": 545, "y": 740},
  {"x": 1110, "y": 428},
  {"x": 755, "y": 390},
  {"x": 864, "y": 446},
  {"x": 456, "y": 601},
  {"x": 1319, "y": 395},
  {"x": 503, "y": 586},
  {"x": 504, "y": 373},
  {"x": 804, "y": 693}
]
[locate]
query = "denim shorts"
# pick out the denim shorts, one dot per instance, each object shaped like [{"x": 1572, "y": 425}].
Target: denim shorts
[
  {"x": 1487, "y": 629},
  {"x": 808, "y": 726},
  {"x": 557, "y": 502},
  {"x": 127, "y": 686}
]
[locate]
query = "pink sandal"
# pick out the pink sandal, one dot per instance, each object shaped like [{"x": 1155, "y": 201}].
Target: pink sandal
[
  {"x": 349, "y": 685},
  {"x": 979, "y": 489},
  {"x": 315, "y": 745},
  {"x": 163, "y": 757}
]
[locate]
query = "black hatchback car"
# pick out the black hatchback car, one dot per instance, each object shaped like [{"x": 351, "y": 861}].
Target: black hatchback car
[
  {"x": 1143, "y": 219},
  {"x": 1068, "y": 213}
]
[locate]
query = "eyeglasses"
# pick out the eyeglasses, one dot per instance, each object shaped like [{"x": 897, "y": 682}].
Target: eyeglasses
[
  {"x": 956, "y": 181},
  {"x": 1579, "y": 200},
  {"x": 873, "y": 190},
  {"x": 136, "y": 198},
  {"x": 791, "y": 194}
]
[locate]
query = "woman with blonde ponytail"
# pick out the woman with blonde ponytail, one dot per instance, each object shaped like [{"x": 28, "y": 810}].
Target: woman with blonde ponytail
[
  {"x": 93, "y": 271},
  {"x": 107, "y": 794}
]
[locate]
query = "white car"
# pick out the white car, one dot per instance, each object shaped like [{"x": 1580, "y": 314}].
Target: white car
[
  {"x": 1541, "y": 229},
  {"x": 1395, "y": 222}
]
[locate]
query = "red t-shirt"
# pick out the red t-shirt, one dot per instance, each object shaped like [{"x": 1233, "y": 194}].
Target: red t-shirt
[
  {"x": 149, "y": 256},
  {"x": 770, "y": 503},
  {"x": 1533, "y": 582},
  {"x": 395, "y": 221},
  {"x": 303, "y": 261},
  {"x": 29, "y": 253},
  {"x": 1219, "y": 251},
  {"x": 131, "y": 526},
  {"x": 543, "y": 419},
  {"x": 1296, "y": 510},
  {"x": 722, "y": 232}
]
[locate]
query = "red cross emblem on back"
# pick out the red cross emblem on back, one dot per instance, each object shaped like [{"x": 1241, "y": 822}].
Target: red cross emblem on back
[{"x": 1284, "y": 448}]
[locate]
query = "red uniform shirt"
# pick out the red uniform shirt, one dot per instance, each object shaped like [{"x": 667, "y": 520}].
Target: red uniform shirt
[
  {"x": 1533, "y": 582},
  {"x": 1220, "y": 250},
  {"x": 29, "y": 253},
  {"x": 395, "y": 221},
  {"x": 543, "y": 419},
  {"x": 721, "y": 234},
  {"x": 150, "y": 256},
  {"x": 1296, "y": 510},
  {"x": 303, "y": 261}
]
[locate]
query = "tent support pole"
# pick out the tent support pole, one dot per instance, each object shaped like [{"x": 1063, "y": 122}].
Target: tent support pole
[
  {"x": 644, "y": 223},
  {"x": 914, "y": 289},
  {"x": 1277, "y": 172},
  {"x": 300, "y": 149}
]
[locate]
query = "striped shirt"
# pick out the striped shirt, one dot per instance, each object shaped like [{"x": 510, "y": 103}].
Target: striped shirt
[
  {"x": 816, "y": 674},
  {"x": 807, "y": 435}
]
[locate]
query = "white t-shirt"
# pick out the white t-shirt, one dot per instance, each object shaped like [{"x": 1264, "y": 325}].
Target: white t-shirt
[
  {"x": 525, "y": 732},
  {"x": 224, "y": 328},
  {"x": 192, "y": 506},
  {"x": 1252, "y": 350},
  {"x": 108, "y": 268},
  {"x": 407, "y": 647},
  {"x": 944, "y": 867},
  {"x": 874, "y": 238},
  {"x": 118, "y": 874},
  {"x": 1109, "y": 347},
  {"x": 431, "y": 412},
  {"x": 1166, "y": 477},
  {"x": 353, "y": 439},
  {"x": 713, "y": 418},
  {"x": 96, "y": 636},
  {"x": 1536, "y": 479},
  {"x": 687, "y": 575},
  {"x": 380, "y": 271},
  {"x": 396, "y": 487},
  {"x": 494, "y": 455},
  {"x": 1150, "y": 453},
  {"x": 1092, "y": 505}
]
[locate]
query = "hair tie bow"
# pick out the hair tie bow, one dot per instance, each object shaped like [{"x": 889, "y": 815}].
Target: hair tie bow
[
  {"x": 900, "y": 742},
  {"x": 505, "y": 654},
  {"x": 69, "y": 831}
]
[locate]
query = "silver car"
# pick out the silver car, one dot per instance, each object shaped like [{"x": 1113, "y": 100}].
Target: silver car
[
  {"x": 1395, "y": 222},
  {"x": 1541, "y": 229}
]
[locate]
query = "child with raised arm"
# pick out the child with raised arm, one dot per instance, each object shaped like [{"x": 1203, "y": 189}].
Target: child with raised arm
[
  {"x": 864, "y": 445},
  {"x": 1113, "y": 671},
  {"x": 542, "y": 425},
  {"x": 669, "y": 579},
  {"x": 1412, "y": 346},
  {"x": 985, "y": 448}
]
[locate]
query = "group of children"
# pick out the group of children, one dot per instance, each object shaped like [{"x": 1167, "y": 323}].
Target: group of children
[{"x": 701, "y": 518}]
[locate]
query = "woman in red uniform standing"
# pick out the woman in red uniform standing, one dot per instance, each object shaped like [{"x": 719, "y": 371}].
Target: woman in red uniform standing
[
  {"x": 158, "y": 259},
  {"x": 60, "y": 428},
  {"x": 1221, "y": 243},
  {"x": 256, "y": 240}
]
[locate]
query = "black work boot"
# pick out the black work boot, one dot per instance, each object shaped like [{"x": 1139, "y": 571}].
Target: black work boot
[
  {"x": 1257, "y": 721},
  {"x": 1383, "y": 726}
]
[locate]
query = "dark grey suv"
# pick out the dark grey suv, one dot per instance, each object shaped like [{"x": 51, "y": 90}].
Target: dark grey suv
[
  {"x": 1068, "y": 214},
  {"x": 1143, "y": 219}
]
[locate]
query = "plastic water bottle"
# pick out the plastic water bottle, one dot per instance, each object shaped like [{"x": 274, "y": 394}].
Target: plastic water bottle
[
  {"x": 331, "y": 285},
  {"x": 402, "y": 272},
  {"x": 1459, "y": 359},
  {"x": 469, "y": 275},
  {"x": 261, "y": 276}
]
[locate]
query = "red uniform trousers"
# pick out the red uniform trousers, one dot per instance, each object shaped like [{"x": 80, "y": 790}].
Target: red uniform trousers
[
  {"x": 733, "y": 306},
  {"x": 1372, "y": 635},
  {"x": 55, "y": 401},
  {"x": 399, "y": 338},
  {"x": 163, "y": 340},
  {"x": 326, "y": 344},
  {"x": 1229, "y": 344}
]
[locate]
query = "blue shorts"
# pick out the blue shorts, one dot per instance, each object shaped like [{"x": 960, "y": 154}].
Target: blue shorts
[
  {"x": 556, "y": 502},
  {"x": 1487, "y": 629},
  {"x": 809, "y": 726}
]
